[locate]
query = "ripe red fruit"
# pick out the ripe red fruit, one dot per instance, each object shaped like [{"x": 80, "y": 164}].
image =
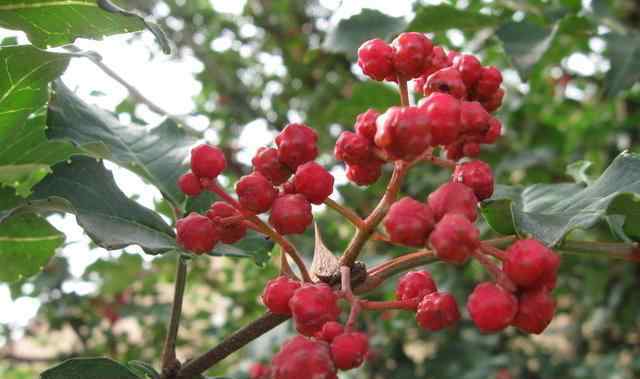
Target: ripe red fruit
[
  {"x": 494, "y": 131},
  {"x": 491, "y": 307},
  {"x": 314, "y": 182},
  {"x": 366, "y": 173},
  {"x": 297, "y": 145},
  {"x": 414, "y": 285},
  {"x": 494, "y": 102},
  {"x": 189, "y": 184},
  {"x": 403, "y": 132},
  {"x": 438, "y": 61},
  {"x": 453, "y": 198},
  {"x": 277, "y": 293},
  {"x": 301, "y": 357},
  {"x": 469, "y": 67},
  {"x": 365, "y": 125},
  {"x": 229, "y": 232},
  {"x": 291, "y": 214},
  {"x": 454, "y": 151},
  {"x": 267, "y": 163},
  {"x": 259, "y": 371},
  {"x": 443, "y": 117},
  {"x": 207, "y": 161},
  {"x": 353, "y": 148},
  {"x": 312, "y": 305},
  {"x": 196, "y": 233},
  {"x": 375, "y": 58},
  {"x": 476, "y": 175},
  {"x": 255, "y": 192},
  {"x": 411, "y": 52},
  {"x": 471, "y": 149},
  {"x": 451, "y": 55},
  {"x": 528, "y": 261},
  {"x": 437, "y": 311},
  {"x": 349, "y": 350},
  {"x": 454, "y": 238},
  {"x": 330, "y": 330},
  {"x": 409, "y": 222},
  {"x": 535, "y": 311},
  {"x": 446, "y": 80},
  {"x": 473, "y": 117},
  {"x": 488, "y": 82}
]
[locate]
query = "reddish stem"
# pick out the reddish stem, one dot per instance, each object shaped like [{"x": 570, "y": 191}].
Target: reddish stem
[
  {"x": 404, "y": 91},
  {"x": 386, "y": 305},
  {"x": 492, "y": 251},
  {"x": 346, "y": 212},
  {"x": 495, "y": 271}
]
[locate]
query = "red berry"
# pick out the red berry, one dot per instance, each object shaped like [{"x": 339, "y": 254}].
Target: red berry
[
  {"x": 229, "y": 232},
  {"x": 550, "y": 276},
  {"x": 454, "y": 238},
  {"x": 494, "y": 132},
  {"x": 259, "y": 371},
  {"x": 414, "y": 285},
  {"x": 471, "y": 149},
  {"x": 491, "y": 307},
  {"x": 353, "y": 148},
  {"x": 297, "y": 145},
  {"x": 453, "y": 198},
  {"x": 437, "y": 311},
  {"x": 476, "y": 175},
  {"x": 494, "y": 102},
  {"x": 454, "y": 151},
  {"x": 267, "y": 163},
  {"x": 451, "y": 56},
  {"x": 403, "y": 132},
  {"x": 438, "y": 61},
  {"x": 189, "y": 184},
  {"x": 411, "y": 53},
  {"x": 291, "y": 214},
  {"x": 301, "y": 357},
  {"x": 349, "y": 350},
  {"x": 196, "y": 233},
  {"x": 446, "y": 80},
  {"x": 366, "y": 173},
  {"x": 375, "y": 58},
  {"x": 535, "y": 311},
  {"x": 473, "y": 117},
  {"x": 330, "y": 330},
  {"x": 255, "y": 192},
  {"x": 527, "y": 262},
  {"x": 313, "y": 305},
  {"x": 409, "y": 222},
  {"x": 277, "y": 293},
  {"x": 314, "y": 182},
  {"x": 488, "y": 82},
  {"x": 443, "y": 117},
  {"x": 469, "y": 67},
  {"x": 207, "y": 161},
  {"x": 504, "y": 373},
  {"x": 365, "y": 125}
]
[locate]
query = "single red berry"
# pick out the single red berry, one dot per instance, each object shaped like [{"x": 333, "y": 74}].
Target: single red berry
[
  {"x": 437, "y": 311},
  {"x": 443, "y": 117},
  {"x": 469, "y": 67},
  {"x": 229, "y": 232},
  {"x": 313, "y": 305},
  {"x": 504, "y": 373},
  {"x": 297, "y": 145},
  {"x": 330, "y": 330},
  {"x": 491, "y": 307},
  {"x": 494, "y": 102},
  {"x": 411, "y": 52},
  {"x": 494, "y": 131},
  {"x": 207, "y": 161},
  {"x": 349, "y": 350},
  {"x": 473, "y": 117},
  {"x": 366, "y": 173},
  {"x": 302, "y": 357},
  {"x": 438, "y": 61},
  {"x": 189, "y": 184},
  {"x": 451, "y": 56},
  {"x": 471, "y": 149},
  {"x": 527, "y": 261},
  {"x": 535, "y": 311},
  {"x": 403, "y": 132},
  {"x": 446, "y": 80},
  {"x": 454, "y": 238},
  {"x": 409, "y": 222},
  {"x": 255, "y": 192},
  {"x": 291, "y": 214},
  {"x": 476, "y": 175},
  {"x": 267, "y": 163},
  {"x": 488, "y": 82},
  {"x": 259, "y": 371},
  {"x": 365, "y": 125},
  {"x": 453, "y": 198},
  {"x": 353, "y": 148},
  {"x": 550, "y": 276},
  {"x": 196, "y": 233},
  {"x": 414, "y": 285},
  {"x": 454, "y": 151},
  {"x": 375, "y": 58},
  {"x": 314, "y": 182},
  {"x": 277, "y": 293}
]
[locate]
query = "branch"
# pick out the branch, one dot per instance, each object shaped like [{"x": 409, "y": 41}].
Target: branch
[
  {"x": 346, "y": 212},
  {"x": 378, "y": 274},
  {"x": 169, "y": 362}
]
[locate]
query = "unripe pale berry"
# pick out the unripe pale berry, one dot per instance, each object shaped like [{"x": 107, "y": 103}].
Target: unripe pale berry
[
  {"x": 349, "y": 350},
  {"x": 535, "y": 311},
  {"x": 403, "y": 132},
  {"x": 443, "y": 117},
  {"x": 301, "y": 357},
  {"x": 313, "y": 305},
  {"x": 375, "y": 58},
  {"x": 365, "y": 125},
  {"x": 446, "y": 80},
  {"x": 476, "y": 175},
  {"x": 267, "y": 163},
  {"x": 314, "y": 182},
  {"x": 411, "y": 51},
  {"x": 189, "y": 184},
  {"x": 259, "y": 371},
  {"x": 229, "y": 232},
  {"x": 297, "y": 145},
  {"x": 469, "y": 67},
  {"x": 196, "y": 233},
  {"x": 414, "y": 285},
  {"x": 330, "y": 330},
  {"x": 255, "y": 192},
  {"x": 366, "y": 173},
  {"x": 409, "y": 222},
  {"x": 353, "y": 148},
  {"x": 473, "y": 117},
  {"x": 528, "y": 261},
  {"x": 453, "y": 198},
  {"x": 488, "y": 82},
  {"x": 437, "y": 311},
  {"x": 491, "y": 307},
  {"x": 207, "y": 161},
  {"x": 454, "y": 238},
  {"x": 278, "y": 292},
  {"x": 291, "y": 214}
]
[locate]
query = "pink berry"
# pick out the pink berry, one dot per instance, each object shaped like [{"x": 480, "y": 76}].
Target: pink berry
[
  {"x": 267, "y": 163},
  {"x": 353, "y": 148},
  {"x": 535, "y": 311},
  {"x": 491, "y": 307},
  {"x": 277, "y": 293},
  {"x": 349, "y": 350},
  {"x": 229, "y": 232},
  {"x": 313, "y": 305},
  {"x": 207, "y": 161},
  {"x": 403, "y": 132},
  {"x": 196, "y": 233},
  {"x": 189, "y": 184},
  {"x": 259, "y": 371},
  {"x": 454, "y": 238},
  {"x": 366, "y": 173},
  {"x": 446, "y": 80},
  {"x": 291, "y": 214},
  {"x": 255, "y": 192},
  {"x": 302, "y": 357},
  {"x": 476, "y": 175},
  {"x": 414, "y": 285},
  {"x": 437, "y": 311},
  {"x": 528, "y": 261},
  {"x": 488, "y": 82},
  {"x": 443, "y": 117},
  {"x": 411, "y": 52},
  {"x": 451, "y": 56},
  {"x": 297, "y": 145},
  {"x": 314, "y": 182},
  {"x": 375, "y": 58},
  {"x": 409, "y": 222},
  {"x": 469, "y": 67},
  {"x": 453, "y": 198},
  {"x": 365, "y": 125},
  {"x": 330, "y": 330}
]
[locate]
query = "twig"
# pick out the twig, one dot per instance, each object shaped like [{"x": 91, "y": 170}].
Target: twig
[
  {"x": 346, "y": 212},
  {"x": 404, "y": 92},
  {"x": 377, "y": 275},
  {"x": 169, "y": 361}
]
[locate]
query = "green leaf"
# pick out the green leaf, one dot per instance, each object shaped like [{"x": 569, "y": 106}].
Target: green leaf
[
  {"x": 27, "y": 242},
  {"x": 440, "y": 18},
  {"x": 348, "y": 34},
  {"x": 623, "y": 52},
  {"x": 549, "y": 212},
  {"x": 579, "y": 171},
  {"x": 143, "y": 370},
  {"x": 254, "y": 246},
  {"x": 157, "y": 154},
  {"x": 115, "y": 275},
  {"x": 84, "y": 368},
  {"x": 525, "y": 43}
]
